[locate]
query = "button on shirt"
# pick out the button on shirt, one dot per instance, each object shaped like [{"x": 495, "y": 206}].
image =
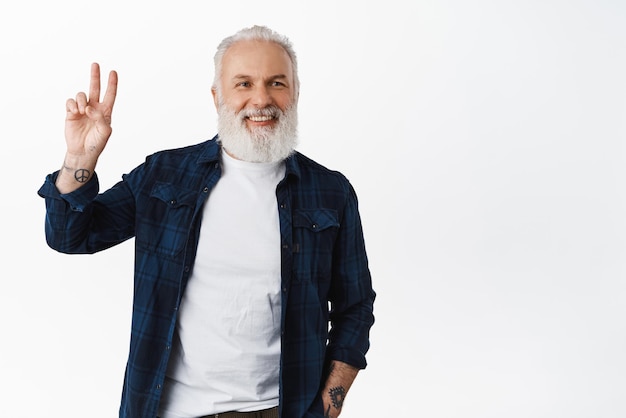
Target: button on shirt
[{"x": 323, "y": 260}]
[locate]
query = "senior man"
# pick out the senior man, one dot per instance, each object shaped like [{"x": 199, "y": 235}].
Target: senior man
[{"x": 252, "y": 293}]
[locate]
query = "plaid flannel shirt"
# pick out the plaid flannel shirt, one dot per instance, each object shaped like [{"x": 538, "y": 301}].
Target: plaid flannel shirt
[{"x": 160, "y": 203}]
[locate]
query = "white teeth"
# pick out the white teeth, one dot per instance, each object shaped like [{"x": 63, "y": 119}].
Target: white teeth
[{"x": 260, "y": 118}]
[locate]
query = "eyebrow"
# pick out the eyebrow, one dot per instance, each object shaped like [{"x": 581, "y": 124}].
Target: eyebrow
[{"x": 245, "y": 77}]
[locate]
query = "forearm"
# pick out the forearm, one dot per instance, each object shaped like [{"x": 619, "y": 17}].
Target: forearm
[{"x": 340, "y": 378}]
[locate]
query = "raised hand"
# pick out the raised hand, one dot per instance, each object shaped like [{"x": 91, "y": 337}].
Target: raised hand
[{"x": 87, "y": 130}]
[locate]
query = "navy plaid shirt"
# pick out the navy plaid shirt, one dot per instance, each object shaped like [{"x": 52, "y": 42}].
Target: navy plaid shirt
[{"x": 160, "y": 204}]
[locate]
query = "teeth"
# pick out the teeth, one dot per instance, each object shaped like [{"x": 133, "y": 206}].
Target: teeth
[{"x": 260, "y": 118}]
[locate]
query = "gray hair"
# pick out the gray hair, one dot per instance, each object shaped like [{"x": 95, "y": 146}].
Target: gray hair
[{"x": 255, "y": 33}]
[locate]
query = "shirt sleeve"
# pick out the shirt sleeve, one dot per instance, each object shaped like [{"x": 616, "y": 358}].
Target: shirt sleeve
[
  {"x": 83, "y": 221},
  {"x": 351, "y": 293}
]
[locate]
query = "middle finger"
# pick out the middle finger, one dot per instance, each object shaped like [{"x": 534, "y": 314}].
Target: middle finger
[{"x": 94, "y": 84}]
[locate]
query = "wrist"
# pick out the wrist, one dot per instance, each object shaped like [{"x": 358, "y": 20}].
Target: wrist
[{"x": 75, "y": 172}]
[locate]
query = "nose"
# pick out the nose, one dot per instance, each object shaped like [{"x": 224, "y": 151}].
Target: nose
[{"x": 261, "y": 97}]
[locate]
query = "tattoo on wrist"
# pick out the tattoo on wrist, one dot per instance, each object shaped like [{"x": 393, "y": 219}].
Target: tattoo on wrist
[
  {"x": 337, "y": 395},
  {"x": 82, "y": 175}
]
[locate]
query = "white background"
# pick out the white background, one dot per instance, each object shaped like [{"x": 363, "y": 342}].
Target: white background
[{"x": 485, "y": 140}]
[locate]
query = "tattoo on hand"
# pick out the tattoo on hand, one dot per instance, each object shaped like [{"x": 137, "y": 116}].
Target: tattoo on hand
[
  {"x": 337, "y": 395},
  {"x": 82, "y": 175}
]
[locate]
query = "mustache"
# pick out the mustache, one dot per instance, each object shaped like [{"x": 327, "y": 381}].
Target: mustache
[{"x": 271, "y": 110}]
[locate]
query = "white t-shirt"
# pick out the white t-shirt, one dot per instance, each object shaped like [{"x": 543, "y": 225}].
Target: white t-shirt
[{"x": 226, "y": 350}]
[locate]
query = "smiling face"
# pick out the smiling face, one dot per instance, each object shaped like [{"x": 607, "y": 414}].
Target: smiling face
[
  {"x": 256, "y": 75},
  {"x": 256, "y": 102}
]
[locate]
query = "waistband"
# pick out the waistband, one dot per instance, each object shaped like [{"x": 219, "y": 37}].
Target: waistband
[{"x": 264, "y": 413}]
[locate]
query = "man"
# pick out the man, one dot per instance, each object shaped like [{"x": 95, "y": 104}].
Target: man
[{"x": 241, "y": 244}]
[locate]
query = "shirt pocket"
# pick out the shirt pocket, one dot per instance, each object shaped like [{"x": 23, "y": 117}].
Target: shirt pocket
[
  {"x": 164, "y": 224},
  {"x": 314, "y": 234}
]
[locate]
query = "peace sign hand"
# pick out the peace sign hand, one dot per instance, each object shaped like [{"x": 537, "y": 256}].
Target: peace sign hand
[
  {"x": 88, "y": 120},
  {"x": 87, "y": 130}
]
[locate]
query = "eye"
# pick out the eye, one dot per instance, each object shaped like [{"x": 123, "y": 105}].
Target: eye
[
  {"x": 277, "y": 84},
  {"x": 243, "y": 84}
]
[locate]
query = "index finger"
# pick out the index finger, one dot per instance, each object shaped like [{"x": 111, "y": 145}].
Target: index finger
[
  {"x": 109, "y": 96},
  {"x": 94, "y": 83}
]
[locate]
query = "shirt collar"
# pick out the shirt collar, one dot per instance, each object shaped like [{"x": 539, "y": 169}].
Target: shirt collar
[
  {"x": 291, "y": 165},
  {"x": 210, "y": 151}
]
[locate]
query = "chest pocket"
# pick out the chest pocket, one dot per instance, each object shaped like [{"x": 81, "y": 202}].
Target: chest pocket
[
  {"x": 314, "y": 234},
  {"x": 165, "y": 221}
]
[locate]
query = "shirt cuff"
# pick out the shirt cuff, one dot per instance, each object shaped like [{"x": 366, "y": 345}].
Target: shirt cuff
[
  {"x": 78, "y": 199},
  {"x": 350, "y": 356}
]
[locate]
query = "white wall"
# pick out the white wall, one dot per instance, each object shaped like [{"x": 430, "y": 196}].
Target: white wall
[{"x": 485, "y": 140}]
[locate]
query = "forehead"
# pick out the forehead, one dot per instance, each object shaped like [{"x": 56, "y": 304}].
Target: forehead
[{"x": 256, "y": 59}]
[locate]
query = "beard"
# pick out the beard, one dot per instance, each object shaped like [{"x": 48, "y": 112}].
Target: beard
[{"x": 264, "y": 144}]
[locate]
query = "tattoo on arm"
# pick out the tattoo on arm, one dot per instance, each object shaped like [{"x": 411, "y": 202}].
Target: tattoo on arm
[
  {"x": 337, "y": 395},
  {"x": 82, "y": 175},
  {"x": 327, "y": 413}
]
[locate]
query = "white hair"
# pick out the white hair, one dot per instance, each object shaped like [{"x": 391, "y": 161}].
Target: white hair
[{"x": 255, "y": 33}]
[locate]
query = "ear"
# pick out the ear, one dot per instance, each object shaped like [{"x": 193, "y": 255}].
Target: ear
[{"x": 214, "y": 93}]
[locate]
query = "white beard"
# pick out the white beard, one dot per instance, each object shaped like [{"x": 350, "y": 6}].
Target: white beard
[{"x": 262, "y": 144}]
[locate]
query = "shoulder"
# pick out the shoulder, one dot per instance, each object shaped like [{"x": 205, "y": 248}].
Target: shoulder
[
  {"x": 315, "y": 185},
  {"x": 204, "y": 150},
  {"x": 312, "y": 171},
  {"x": 186, "y": 165}
]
